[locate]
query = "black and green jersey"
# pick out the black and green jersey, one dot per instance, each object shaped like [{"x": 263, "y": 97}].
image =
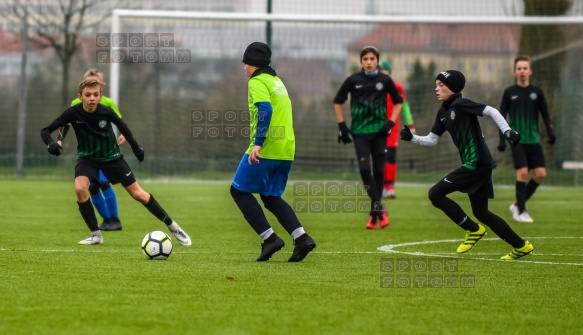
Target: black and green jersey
[
  {"x": 95, "y": 136},
  {"x": 459, "y": 116},
  {"x": 104, "y": 101},
  {"x": 368, "y": 100},
  {"x": 521, "y": 106}
]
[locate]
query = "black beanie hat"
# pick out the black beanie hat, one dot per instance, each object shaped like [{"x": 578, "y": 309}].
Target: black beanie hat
[
  {"x": 257, "y": 54},
  {"x": 453, "y": 79}
]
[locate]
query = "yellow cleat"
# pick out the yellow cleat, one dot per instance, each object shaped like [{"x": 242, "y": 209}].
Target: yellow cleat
[
  {"x": 520, "y": 252},
  {"x": 471, "y": 239}
]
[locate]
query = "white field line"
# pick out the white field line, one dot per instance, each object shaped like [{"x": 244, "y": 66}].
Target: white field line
[{"x": 390, "y": 248}]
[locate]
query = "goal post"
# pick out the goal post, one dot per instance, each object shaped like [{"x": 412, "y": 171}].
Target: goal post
[
  {"x": 314, "y": 53},
  {"x": 117, "y": 14}
]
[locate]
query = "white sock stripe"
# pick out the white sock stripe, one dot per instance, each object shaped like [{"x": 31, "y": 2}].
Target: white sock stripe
[
  {"x": 265, "y": 235},
  {"x": 298, "y": 232}
]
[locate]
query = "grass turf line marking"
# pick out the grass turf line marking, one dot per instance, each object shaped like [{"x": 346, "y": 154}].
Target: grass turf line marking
[{"x": 390, "y": 248}]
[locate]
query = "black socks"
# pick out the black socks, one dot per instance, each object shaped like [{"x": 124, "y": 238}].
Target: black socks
[{"x": 154, "y": 207}]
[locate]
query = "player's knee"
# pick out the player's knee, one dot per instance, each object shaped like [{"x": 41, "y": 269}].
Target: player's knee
[
  {"x": 82, "y": 193},
  {"x": 270, "y": 202},
  {"x": 365, "y": 170},
  {"x": 522, "y": 174},
  {"x": 235, "y": 193},
  {"x": 483, "y": 215},
  {"x": 391, "y": 155},
  {"x": 93, "y": 188},
  {"x": 539, "y": 176},
  {"x": 435, "y": 196},
  {"x": 104, "y": 185},
  {"x": 379, "y": 158}
]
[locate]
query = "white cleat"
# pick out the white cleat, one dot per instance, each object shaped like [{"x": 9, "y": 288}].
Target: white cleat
[
  {"x": 390, "y": 194},
  {"x": 91, "y": 240},
  {"x": 524, "y": 217},
  {"x": 182, "y": 237},
  {"x": 515, "y": 212}
]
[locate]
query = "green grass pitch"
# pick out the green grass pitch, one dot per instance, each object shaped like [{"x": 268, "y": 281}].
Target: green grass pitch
[{"x": 52, "y": 285}]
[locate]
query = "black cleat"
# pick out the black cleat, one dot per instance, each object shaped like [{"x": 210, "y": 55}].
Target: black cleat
[
  {"x": 104, "y": 224},
  {"x": 269, "y": 247},
  {"x": 304, "y": 244},
  {"x": 110, "y": 224}
]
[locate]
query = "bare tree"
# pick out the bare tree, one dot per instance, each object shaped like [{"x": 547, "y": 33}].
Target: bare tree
[
  {"x": 59, "y": 24},
  {"x": 56, "y": 24}
]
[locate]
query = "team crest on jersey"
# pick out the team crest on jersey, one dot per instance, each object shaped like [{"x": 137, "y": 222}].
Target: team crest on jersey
[
  {"x": 102, "y": 124},
  {"x": 379, "y": 86},
  {"x": 452, "y": 115},
  {"x": 533, "y": 96}
]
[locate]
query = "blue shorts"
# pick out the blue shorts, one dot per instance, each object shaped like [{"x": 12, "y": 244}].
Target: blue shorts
[{"x": 268, "y": 178}]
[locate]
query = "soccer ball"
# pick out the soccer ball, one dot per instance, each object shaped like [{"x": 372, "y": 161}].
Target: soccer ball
[{"x": 157, "y": 245}]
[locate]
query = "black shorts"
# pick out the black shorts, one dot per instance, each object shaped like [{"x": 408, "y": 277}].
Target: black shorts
[
  {"x": 528, "y": 155},
  {"x": 116, "y": 171},
  {"x": 474, "y": 182},
  {"x": 369, "y": 144}
]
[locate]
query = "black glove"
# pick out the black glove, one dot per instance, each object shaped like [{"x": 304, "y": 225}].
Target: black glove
[
  {"x": 139, "y": 152},
  {"x": 54, "y": 148},
  {"x": 512, "y": 137},
  {"x": 343, "y": 133},
  {"x": 387, "y": 128},
  {"x": 502, "y": 146},
  {"x": 552, "y": 138},
  {"x": 406, "y": 134}
]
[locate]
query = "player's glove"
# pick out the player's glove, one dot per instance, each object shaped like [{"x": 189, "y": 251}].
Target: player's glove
[
  {"x": 387, "y": 128},
  {"x": 54, "y": 148},
  {"x": 502, "y": 146},
  {"x": 406, "y": 134},
  {"x": 343, "y": 133},
  {"x": 512, "y": 137},
  {"x": 552, "y": 138},
  {"x": 139, "y": 152}
]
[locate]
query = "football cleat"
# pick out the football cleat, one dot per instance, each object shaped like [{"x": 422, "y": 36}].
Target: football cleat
[
  {"x": 513, "y": 208},
  {"x": 270, "y": 246},
  {"x": 303, "y": 245},
  {"x": 471, "y": 238},
  {"x": 389, "y": 193},
  {"x": 93, "y": 239},
  {"x": 384, "y": 218},
  {"x": 524, "y": 217},
  {"x": 104, "y": 223},
  {"x": 182, "y": 237},
  {"x": 372, "y": 222},
  {"x": 515, "y": 212},
  {"x": 520, "y": 252},
  {"x": 110, "y": 224}
]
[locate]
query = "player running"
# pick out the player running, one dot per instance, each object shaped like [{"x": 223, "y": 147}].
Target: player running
[{"x": 459, "y": 117}]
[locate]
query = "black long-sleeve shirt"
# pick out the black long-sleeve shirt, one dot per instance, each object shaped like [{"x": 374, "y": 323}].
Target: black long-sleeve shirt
[
  {"x": 521, "y": 106},
  {"x": 459, "y": 117},
  {"x": 368, "y": 100},
  {"x": 94, "y": 132}
]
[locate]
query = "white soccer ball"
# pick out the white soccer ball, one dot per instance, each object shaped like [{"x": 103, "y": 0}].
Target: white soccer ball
[{"x": 157, "y": 245}]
